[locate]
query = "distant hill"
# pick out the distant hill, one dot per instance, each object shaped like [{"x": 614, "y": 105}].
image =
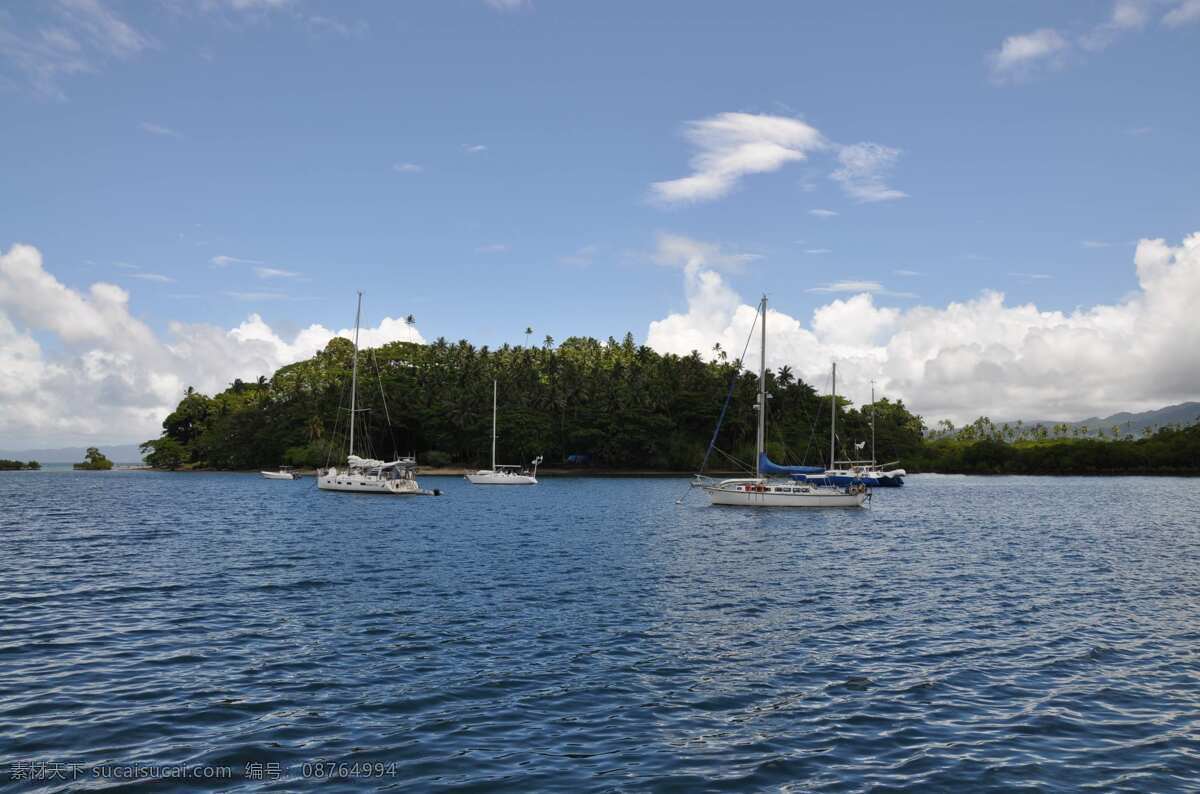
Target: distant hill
[
  {"x": 117, "y": 453},
  {"x": 1135, "y": 423}
]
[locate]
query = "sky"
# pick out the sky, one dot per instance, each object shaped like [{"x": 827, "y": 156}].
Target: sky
[{"x": 986, "y": 209}]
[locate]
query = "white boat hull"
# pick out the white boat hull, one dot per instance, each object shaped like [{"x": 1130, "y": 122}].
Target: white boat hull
[
  {"x": 755, "y": 493},
  {"x": 366, "y": 483},
  {"x": 486, "y": 477},
  {"x": 277, "y": 475}
]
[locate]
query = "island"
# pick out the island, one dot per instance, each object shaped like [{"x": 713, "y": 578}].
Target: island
[
  {"x": 19, "y": 465},
  {"x": 94, "y": 460},
  {"x": 619, "y": 406}
]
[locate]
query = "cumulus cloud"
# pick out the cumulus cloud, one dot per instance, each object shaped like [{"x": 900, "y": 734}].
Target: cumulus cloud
[
  {"x": 982, "y": 355},
  {"x": 732, "y": 145},
  {"x": 1019, "y": 56},
  {"x": 108, "y": 376}
]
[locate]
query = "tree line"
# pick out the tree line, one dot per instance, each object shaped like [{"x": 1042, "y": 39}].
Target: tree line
[
  {"x": 611, "y": 403},
  {"x": 608, "y": 404}
]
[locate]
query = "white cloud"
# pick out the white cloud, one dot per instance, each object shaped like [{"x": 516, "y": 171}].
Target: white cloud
[
  {"x": 158, "y": 129},
  {"x": 1095, "y": 244},
  {"x": 274, "y": 272},
  {"x": 675, "y": 250},
  {"x": 733, "y": 145},
  {"x": 907, "y": 273},
  {"x": 581, "y": 258},
  {"x": 114, "y": 379},
  {"x": 864, "y": 169},
  {"x": 821, "y": 213},
  {"x": 76, "y": 37},
  {"x": 492, "y": 248},
  {"x": 221, "y": 260},
  {"x": 157, "y": 277},
  {"x": 978, "y": 356},
  {"x": 407, "y": 168},
  {"x": 1184, "y": 13},
  {"x": 818, "y": 250},
  {"x": 509, "y": 6},
  {"x": 474, "y": 148},
  {"x": 1019, "y": 56},
  {"x": 848, "y": 286}
]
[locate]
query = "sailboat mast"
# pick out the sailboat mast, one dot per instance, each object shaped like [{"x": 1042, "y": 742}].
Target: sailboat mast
[
  {"x": 872, "y": 423},
  {"x": 354, "y": 371},
  {"x": 762, "y": 392},
  {"x": 493, "y": 424},
  {"x": 833, "y": 419}
]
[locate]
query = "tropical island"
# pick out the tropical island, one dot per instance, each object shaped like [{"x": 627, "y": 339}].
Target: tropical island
[
  {"x": 93, "y": 460},
  {"x": 19, "y": 465},
  {"x": 603, "y": 405}
]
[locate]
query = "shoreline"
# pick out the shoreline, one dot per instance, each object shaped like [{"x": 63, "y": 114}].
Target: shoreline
[{"x": 457, "y": 471}]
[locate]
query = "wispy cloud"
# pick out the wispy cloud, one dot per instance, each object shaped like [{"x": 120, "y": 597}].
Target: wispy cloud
[
  {"x": 407, "y": 168},
  {"x": 1185, "y": 13},
  {"x": 730, "y": 146},
  {"x": 1031, "y": 276},
  {"x": 818, "y": 251},
  {"x": 1095, "y": 244},
  {"x": 820, "y": 213},
  {"x": 274, "y": 272},
  {"x": 492, "y": 248},
  {"x": 676, "y": 250},
  {"x": 1139, "y": 131},
  {"x": 907, "y": 273},
  {"x": 509, "y": 6},
  {"x": 864, "y": 169},
  {"x": 849, "y": 285},
  {"x": 156, "y": 277},
  {"x": 158, "y": 129},
  {"x": 258, "y": 296},
  {"x": 474, "y": 148},
  {"x": 1021, "y": 55},
  {"x": 323, "y": 24},
  {"x": 859, "y": 286},
  {"x": 221, "y": 260},
  {"x": 581, "y": 258},
  {"x": 74, "y": 37}
]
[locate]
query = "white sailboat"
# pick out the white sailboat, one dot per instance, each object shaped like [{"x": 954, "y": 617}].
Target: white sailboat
[
  {"x": 367, "y": 475},
  {"x": 284, "y": 473},
  {"x": 764, "y": 491},
  {"x": 504, "y": 474}
]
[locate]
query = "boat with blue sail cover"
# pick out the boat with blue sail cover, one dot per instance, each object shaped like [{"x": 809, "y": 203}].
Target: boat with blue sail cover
[{"x": 846, "y": 472}]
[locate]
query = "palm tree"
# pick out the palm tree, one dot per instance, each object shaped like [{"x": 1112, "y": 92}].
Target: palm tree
[
  {"x": 528, "y": 334},
  {"x": 410, "y": 321}
]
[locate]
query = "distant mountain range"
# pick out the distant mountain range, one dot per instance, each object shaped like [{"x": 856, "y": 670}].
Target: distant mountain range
[
  {"x": 117, "y": 453},
  {"x": 1182, "y": 414}
]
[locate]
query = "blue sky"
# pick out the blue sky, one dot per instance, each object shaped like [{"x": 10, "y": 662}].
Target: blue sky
[{"x": 487, "y": 166}]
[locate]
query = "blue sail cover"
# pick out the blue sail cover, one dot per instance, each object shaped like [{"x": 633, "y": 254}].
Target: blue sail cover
[{"x": 767, "y": 467}]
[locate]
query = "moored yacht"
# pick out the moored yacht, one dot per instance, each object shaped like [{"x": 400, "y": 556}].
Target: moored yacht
[
  {"x": 765, "y": 491},
  {"x": 367, "y": 475},
  {"x": 503, "y": 474}
]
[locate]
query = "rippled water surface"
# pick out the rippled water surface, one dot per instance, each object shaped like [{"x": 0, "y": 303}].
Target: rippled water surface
[{"x": 588, "y": 634}]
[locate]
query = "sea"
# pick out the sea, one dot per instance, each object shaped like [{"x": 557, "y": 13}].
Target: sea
[{"x": 210, "y": 631}]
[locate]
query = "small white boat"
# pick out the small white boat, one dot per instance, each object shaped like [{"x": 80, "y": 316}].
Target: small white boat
[
  {"x": 284, "y": 473},
  {"x": 503, "y": 474}
]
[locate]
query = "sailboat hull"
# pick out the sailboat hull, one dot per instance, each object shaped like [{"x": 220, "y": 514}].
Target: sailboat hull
[
  {"x": 755, "y": 493},
  {"x": 360, "y": 483},
  {"x": 486, "y": 477}
]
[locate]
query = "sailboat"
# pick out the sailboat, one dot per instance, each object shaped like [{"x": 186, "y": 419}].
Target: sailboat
[
  {"x": 764, "y": 491},
  {"x": 367, "y": 475},
  {"x": 847, "y": 472},
  {"x": 505, "y": 474}
]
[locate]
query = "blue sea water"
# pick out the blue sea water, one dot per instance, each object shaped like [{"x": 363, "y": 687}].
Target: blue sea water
[{"x": 966, "y": 633}]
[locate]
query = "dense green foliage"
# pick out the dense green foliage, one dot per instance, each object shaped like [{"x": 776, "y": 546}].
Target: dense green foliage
[
  {"x": 622, "y": 404},
  {"x": 17, "y": 465},
  {"x": 94, "y": 460},
  {"x": 983, "y": 448}
]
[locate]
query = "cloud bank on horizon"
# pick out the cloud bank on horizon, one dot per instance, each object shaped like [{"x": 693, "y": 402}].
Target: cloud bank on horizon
[
  {"x": 113, "y": 378},
  {"x": 970, "y": 358}
]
